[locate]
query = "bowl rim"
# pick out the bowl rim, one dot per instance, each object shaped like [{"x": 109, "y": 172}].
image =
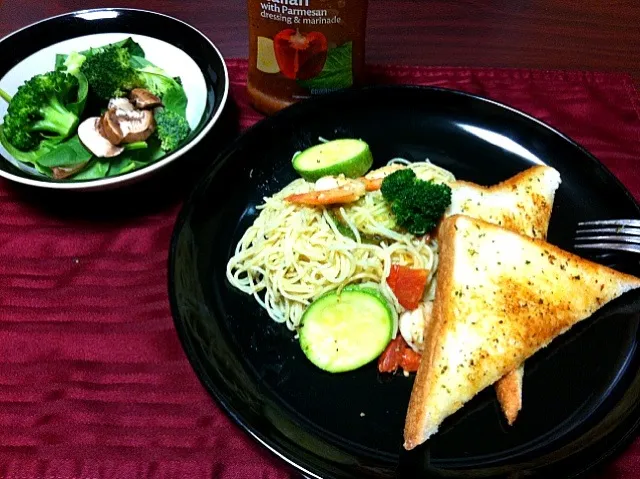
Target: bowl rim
[{"x": 138, "y": 174}]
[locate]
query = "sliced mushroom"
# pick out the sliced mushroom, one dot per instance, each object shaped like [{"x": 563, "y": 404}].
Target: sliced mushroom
[
  {"x": 89, "y": 134},
  {"x": 61, "y": 172},
  {"x": 110, "y": 127},
  {"x": 137, "y": 125},
  {"x": 122, "y": 126},
  {"x": 144, "y": 99},
  {"x": 120, "y": 104}
]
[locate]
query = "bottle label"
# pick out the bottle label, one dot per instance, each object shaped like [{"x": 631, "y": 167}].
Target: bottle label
[
  {"x": 305, "y": 47},
  {"x": 296, "y": 13}
]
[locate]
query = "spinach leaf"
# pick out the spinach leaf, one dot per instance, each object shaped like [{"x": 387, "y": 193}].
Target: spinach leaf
[
  {"x": 124, "y": 165},
  {"x": 68, "y": 153},
  {"x": 170, "y": 91},
  {"x": 149, "y": 154},
  {"x": 121, "y": 164},
  {"x": 139, "y": 62},
  {"x": 44, "y": 170},
  {"x": 77, "y": 107},
  {"x": 25, "y": 156},
  {"x": 152, "y": 153},
  {"x": 131, "y": 160},
  {"x": 337, "y": 72},
  {"x": 97, "y": 168},
  {"x": 134, "y": 159},
  {"x": 60, "y": 59},
  {"x": 175, "y": 99},
  {"x": 62, "y": 155},
  {"x": 131, "y": 45}
]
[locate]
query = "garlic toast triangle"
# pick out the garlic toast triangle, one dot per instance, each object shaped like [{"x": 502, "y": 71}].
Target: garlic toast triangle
[
  {"x": 522, "y": 203},
  {"x": 501, "y": 297}
]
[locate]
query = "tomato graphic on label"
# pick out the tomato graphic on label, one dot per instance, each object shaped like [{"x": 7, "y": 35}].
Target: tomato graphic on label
[{"x": 300, "y": 56}]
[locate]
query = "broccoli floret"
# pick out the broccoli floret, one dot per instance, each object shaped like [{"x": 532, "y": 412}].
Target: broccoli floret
[
  {"x": 109, "y": 72},
  {"x": 38, "y": 110},
  {"x": 73, "y": 62},
  {"x": 171, "y": 128},
  {"x": 402, "y": 180},
  {"x": 5, "y": 96},
  {"x": 416, "y": 204}
]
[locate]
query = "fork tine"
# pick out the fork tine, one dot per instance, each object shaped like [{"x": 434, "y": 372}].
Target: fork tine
[
  {"x": 608, "y": 235},
  {"x": 619, "y": 230},
  {"x": 621, "y": 222},
  {"x": 614, "y": 238},
  {"x": 628, "y": 247}
]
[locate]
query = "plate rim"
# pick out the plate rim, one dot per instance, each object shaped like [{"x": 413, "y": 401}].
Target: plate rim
[
  {"x": 112, "y": 182},
  {"x": 291, "y": 111}
]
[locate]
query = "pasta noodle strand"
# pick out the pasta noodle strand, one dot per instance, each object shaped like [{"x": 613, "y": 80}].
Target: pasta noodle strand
[{"x": 293, "y": 254}]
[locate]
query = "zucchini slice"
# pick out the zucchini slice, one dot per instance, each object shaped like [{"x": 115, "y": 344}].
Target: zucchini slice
[
  {"x": 347, "y": 156},
  {"x": 342, "y": 332}
]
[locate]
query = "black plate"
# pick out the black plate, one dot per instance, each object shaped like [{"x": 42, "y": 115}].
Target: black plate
[{"x": 580, "y": 393}]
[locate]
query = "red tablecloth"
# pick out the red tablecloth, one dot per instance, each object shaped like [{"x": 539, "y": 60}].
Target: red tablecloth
[{"x": 93, "y": 381}]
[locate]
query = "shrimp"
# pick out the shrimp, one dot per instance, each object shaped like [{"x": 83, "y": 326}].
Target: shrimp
[
  {"x": 414, "y": 324},
  {"x": 330, "y": 190},
  {"x": 406, "y": 350},
  {"x": 373, "y": 179}
]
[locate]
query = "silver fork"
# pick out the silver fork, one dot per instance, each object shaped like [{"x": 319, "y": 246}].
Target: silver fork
[{"x": 609, "y": 235}]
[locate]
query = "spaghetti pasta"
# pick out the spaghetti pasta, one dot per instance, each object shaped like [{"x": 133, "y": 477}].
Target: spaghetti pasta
[{"x": 292, "y": 254}]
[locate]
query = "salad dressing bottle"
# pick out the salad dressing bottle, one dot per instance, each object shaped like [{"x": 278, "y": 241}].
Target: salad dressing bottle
[{"x": 303, "y": 48}]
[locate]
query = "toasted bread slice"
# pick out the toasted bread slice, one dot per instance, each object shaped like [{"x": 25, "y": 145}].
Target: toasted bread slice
[
  {"x": 501, "y": 297},
  {"x": 523, "y": 203},
  {"x": 509, "y": 393}
]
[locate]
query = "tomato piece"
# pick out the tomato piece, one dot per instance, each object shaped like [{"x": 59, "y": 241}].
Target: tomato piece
[
  {"x": 407, "y": 284},
  {"x": 300, "y": 56},
  {"x": 389, "y": 360},
  {"x": 398, "y": 355},
  {"x": 410, "y": 360}
]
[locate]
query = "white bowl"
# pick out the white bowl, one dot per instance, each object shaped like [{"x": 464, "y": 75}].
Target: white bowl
[{"x": 173, "y": 45}]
